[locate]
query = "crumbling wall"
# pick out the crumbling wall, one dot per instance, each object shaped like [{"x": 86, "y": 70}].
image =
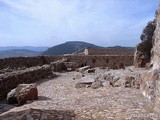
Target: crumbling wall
[
  {"x": 18, "y": 62},
  {"x": 8, "y": 81},
  {"x": 113, "y": 62},
  {"x": 80, "y": 60}
]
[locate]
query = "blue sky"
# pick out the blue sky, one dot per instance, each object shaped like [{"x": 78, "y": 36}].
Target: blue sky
[{"x": 51, "y": 22}]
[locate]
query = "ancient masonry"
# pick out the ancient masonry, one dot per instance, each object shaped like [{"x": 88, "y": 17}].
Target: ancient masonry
[
  {"x": 28, "y": 69},
  {"x": 108, "y": 51}
]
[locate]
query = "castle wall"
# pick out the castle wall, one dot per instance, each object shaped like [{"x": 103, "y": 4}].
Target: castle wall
[
  {"x": 101, "y": 61},
  {"x": 81, "y": 60},
  {"x": 107, "y": 51}
]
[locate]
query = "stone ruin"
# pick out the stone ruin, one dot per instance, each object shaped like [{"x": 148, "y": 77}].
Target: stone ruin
[
  {"x": 92, "y": 87},
  {"x": 109, "y": 51},
  {"x": 17, "y": 75}
]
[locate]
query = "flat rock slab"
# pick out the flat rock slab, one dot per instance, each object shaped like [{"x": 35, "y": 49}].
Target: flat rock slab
[
  {"x": 78, "y": 75},
  {"x": 87, "y": 79},
  {"x": 82, "y": 69}
]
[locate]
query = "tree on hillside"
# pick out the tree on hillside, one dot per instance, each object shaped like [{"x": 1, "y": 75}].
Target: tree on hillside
[
  {"x": 143, "y": 49},
  {"x": 148, "y": 31}
]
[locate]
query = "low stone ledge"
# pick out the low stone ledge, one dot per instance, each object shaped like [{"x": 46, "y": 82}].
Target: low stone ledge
[
  {"x": 8, "y": 81},
  {"x": 38, "y": 113}
]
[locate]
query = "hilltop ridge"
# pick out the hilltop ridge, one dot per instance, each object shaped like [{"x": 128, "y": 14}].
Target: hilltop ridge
[{"x": 72, "y": 47}]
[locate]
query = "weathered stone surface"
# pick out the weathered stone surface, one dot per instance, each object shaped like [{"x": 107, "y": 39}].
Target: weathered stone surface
[
  {"x": 87, "y": 79},
  {"x": 109, "y": 77},
  {"x": 57, "y": 66},
  {"x": 86, "y": 103},
  {"x": 122, "y": 78},
  {"x": 139, "y": 60},
  {"x": 148, "y": 83},
  {"x": 129, "y": 81},
  {"x": 25, "y": 92},
  {"x": 78, "y": 75},
  {"x": 101, "y": 61},
  {"x": 11, "y": 97},
  {"x": 82, "y": 69},
  {"x": 156, "y": 44},
  {"x": 108, "y": 51},
  {"x": 106, "y": 84},
  {"x": 157, "y": 96},
  {"x": 37, "y": 113},
  {"x": 96, "y": 84},
  {"x": 71, "y": 66},
  {"x": 119, "y": 83},
  {"x": 9, "y": 81},
  {"x": 82, "y": 85}
]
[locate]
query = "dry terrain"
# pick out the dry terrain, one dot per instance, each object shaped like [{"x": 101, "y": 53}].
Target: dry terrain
[{"x": 105, "y": 103}]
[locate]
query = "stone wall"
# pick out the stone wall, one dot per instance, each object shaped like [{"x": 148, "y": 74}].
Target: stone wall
[
  {"x": 101, "y": 61},
  {"x": 81, "y": 60},
  {"x": 9, "y": 81},
  {"x": 15, "y": 76},
  {"x": 107, "y": 51},
  {"x": 18, "y": 62}
]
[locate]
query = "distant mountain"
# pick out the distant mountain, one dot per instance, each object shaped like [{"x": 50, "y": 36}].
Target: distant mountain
[
  {"x": 74, "y": 47},
  {"x": 71, "y": 47},
  {"x": 39, "y": 49},
  {"x": 18, "y": 52},
  {"x": 120, "y": 47}
]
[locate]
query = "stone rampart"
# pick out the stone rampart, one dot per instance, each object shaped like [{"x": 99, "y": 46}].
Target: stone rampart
[
  {"x": 80, "y": 60},
  {"x": 108, "y": 51},
  {"x": 101, "y": 61}
]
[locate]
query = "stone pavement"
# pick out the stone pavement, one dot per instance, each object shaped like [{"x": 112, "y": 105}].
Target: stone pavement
[{"x": 60, "y": 94}]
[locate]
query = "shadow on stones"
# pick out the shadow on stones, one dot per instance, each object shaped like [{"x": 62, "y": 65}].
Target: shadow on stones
[
  {"x": 43, "y": 98},
  {"x": 39, "y": 82},
  {"x": 35, "y": 113}
]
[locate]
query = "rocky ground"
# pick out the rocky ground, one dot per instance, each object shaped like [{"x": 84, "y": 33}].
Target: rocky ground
[{"x": 104, "y": 103}]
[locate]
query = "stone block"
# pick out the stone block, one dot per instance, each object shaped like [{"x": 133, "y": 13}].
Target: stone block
[{"x": 25, "y": 92}]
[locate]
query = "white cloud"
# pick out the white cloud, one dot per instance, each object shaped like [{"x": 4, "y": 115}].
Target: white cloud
[{"x": 55, "y": 21}]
